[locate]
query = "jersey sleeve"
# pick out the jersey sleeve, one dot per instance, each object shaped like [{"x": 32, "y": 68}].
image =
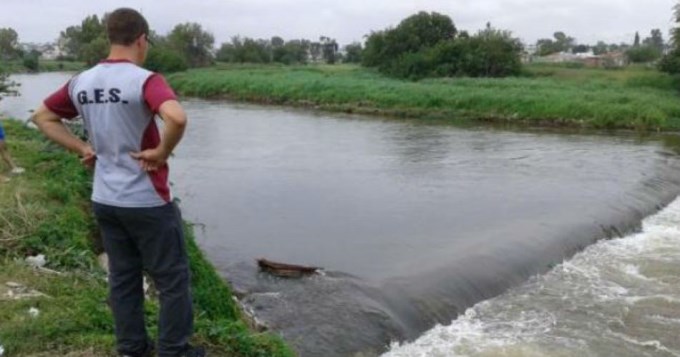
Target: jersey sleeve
[
  {"x": 157, "y": 91},
  {"x": 60, "y": 103}
]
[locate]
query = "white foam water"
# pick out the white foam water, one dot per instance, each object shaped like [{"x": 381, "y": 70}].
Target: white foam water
[{"x": 616, "y": 298}]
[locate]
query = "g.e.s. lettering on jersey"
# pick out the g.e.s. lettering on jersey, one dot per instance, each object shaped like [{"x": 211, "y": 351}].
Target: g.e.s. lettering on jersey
[{"x": 100, "y": 96}]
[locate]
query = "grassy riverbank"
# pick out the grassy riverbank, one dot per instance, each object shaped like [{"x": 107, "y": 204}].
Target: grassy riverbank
[
  {"x": 43, "y": 66},
  {"x": 46, "y": 211},
  {"x": 635, "y": 97}
]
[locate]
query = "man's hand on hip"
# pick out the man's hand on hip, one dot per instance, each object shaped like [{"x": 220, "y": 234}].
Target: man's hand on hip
[
  {"x": 151, "y": 159},
  {"x": 87, "y": 156}
]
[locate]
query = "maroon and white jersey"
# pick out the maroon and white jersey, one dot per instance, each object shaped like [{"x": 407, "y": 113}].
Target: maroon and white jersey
[{"x": 118, "y": 102}]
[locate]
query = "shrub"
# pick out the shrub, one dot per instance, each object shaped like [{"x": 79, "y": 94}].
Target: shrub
[
  {"x": 671, "y": 62},
  {"x": 415, "y": 33},
  {"x": 643, "y": 54},
  {"x": 489, "y": 53},
  {"x": 31, "y": 63},
  {"x": 425, "y": 45},
  {"x": 165, "y": 60}
]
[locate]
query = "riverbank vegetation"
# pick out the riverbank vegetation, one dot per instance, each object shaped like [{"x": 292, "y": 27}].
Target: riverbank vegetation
[
  {"x": 41, "y": 66},
  {"x": 60, "y": 309},
  {"x": 635, "y": 98}
]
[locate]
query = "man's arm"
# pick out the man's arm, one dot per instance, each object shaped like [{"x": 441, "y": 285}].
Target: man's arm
[
  {"x": 175, "y": 122},
  {"x": 51, "y": 125}
]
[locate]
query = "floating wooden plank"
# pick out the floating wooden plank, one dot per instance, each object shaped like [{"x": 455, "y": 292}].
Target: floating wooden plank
[{"x": 285, "y": 270}]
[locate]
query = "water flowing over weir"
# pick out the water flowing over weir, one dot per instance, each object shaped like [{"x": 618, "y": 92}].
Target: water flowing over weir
[
  {"x": 418, "y": 224},
  {"x": 617, "y": 298}
]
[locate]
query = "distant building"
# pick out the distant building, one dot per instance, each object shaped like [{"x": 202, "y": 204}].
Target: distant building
[
  {"x": 588, "y": 59},
  {"x": 52, "y": 52},
  {"x": 615, "y": 59},
  {"x": 48, "y": 51},
  {"x": 561, "y": 57}
]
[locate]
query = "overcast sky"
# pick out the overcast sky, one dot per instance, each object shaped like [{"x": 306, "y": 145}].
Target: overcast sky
[{"x": 349, "y": 20}]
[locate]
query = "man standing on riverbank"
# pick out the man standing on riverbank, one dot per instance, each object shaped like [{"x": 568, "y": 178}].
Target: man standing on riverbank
[{"x": 141, "y": 226}]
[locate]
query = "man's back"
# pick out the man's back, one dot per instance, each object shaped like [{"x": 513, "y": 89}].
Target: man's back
[{"x": 110, "y": 98}]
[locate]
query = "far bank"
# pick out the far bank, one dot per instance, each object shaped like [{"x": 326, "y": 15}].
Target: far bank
[{"x": 545, "y": 95}]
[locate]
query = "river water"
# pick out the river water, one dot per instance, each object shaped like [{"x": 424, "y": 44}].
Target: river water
[{"x": 435, "y": 240}]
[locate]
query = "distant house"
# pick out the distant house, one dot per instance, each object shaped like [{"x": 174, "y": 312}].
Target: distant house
[
  {"x": 561, "y": 57},
  {"x": 615, "y": 59},
  {"x": 52, "y": 52},
  {"x": 588, "y": 59},
  {"x": 593, "y": 61},
  {"x": 47, "y": 51}
]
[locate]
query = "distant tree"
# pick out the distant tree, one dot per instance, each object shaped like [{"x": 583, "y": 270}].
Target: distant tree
[
  {"x": 245, "y": 50},
  {"x": 193, "y": 43},
  {"x": 291, "y": 52},
  {"x": 162, "y": 58},
  {"x": 278, "y": 52},
  {"x": 546, "y": 46},
  {"x": 650, "y": 50},
  {"x": 559, "y": 43},
  {"x": 643, "y": 54},
  {"x": 670, "y": 63},
  {"x": 353, "y": 53},
  {"x": 329, "y": 49},
  {"x": 277, "y": 41},
  {"x": 675, "y": 32},
  {"x": 93, "y": 52},
  {"x": 621, "y": 47},
  {"x": 226, "y": 52},
  {"x": 564, "y": 42},
  {"x": 655, "y": 40},
  {"x": 413, "y": 34},
  {"x": 491, "y": 53},
  {"x": 581, "y": 49},
  {"x": 488, "y": 53},
  {"x": 295, "y": 51},
  {"x": 9, "y": 43},
  {"x": 424, "y": 30},
  {"x": 86, "y": 42},
  {"x": 600, "y": 48},
  {"x": 315, "y": 51},
  {"x": 70, "y": 41}
]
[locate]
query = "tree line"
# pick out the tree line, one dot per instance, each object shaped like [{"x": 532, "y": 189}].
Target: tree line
[
  {"x": 425, "y": 44},
  {"x": 422, "y": 45},
  {"x": 277, "y": 50},
  {"x": 189, "y": 45}
]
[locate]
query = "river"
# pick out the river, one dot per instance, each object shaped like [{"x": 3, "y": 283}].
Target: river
[{"x": 435, "y": 240}]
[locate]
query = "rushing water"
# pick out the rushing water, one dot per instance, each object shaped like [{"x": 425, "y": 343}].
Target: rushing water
[
  {"x": 617, "y": 298},
  {"x": 416, "y": 224}
]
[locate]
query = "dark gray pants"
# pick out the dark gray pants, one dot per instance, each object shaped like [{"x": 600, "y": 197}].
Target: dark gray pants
[{"x": 151, "y": 240}]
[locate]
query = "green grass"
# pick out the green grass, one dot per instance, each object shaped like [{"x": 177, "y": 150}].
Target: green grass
[
  {"x": 635, "y": 97},
  {"x": 47, "y": 211},
  {"x": 59, "y": 66}
]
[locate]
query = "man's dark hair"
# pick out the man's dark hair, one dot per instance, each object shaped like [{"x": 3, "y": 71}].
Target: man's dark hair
[{"x": 125, "y": 25}]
